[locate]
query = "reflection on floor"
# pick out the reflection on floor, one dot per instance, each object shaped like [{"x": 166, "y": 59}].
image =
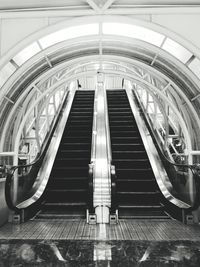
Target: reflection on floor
[
  {"x": 75, "y": 243},
  {"x": 99, "y": 253}
]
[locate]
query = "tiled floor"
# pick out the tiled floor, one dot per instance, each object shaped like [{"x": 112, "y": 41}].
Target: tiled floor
[{"x": 79, "y": 230}]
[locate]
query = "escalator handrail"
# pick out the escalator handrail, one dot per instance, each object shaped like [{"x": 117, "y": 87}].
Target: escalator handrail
[
  {"x": 113, "y": 176},
  {"x": 90, "y": 188},
  {"x": 114, "y": 205},
  {"x": 190, "y": 166},
  {"x": 10, "y": 172},
  {"x": 195, "y": 168}
]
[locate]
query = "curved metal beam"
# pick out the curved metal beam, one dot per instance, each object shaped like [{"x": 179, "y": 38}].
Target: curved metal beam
[{"x": 129, "y": 77}]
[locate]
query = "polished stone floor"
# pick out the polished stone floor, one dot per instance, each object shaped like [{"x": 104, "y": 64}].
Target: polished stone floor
[
  {"x": 99, "y": 253},
  {"x": 75, "y": 243}
]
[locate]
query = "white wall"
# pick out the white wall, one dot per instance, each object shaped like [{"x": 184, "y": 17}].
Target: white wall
[
  {"x": 186, "y": 25},
  {"x": 13, "y": 30}
]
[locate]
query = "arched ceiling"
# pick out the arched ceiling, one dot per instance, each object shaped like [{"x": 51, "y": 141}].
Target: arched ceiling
[{"x": 144, "y": 54}]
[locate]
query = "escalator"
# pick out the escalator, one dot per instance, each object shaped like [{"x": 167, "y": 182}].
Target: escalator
[
  {"x": 66, "y": 194},
  {"x": 137, "y": 192}
]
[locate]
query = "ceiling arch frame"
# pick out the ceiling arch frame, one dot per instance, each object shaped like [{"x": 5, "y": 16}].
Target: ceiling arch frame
[
  {"x": 12, "y": 81},
  {"x": 129, "y": 77},
  {"x": 113, "y": 58},
  {"x": 79, "y": 21}
]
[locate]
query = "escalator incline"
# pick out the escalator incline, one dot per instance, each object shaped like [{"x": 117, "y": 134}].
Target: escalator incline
[
  {"x": 67, "y": 190},
  {"x": 137, "y": 192}
]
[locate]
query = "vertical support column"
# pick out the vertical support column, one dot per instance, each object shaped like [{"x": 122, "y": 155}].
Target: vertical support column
[{"x": 101, "y": 168}]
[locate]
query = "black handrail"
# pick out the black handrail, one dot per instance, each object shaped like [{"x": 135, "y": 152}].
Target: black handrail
[
  {"x": 35, "y": 164},
  {"x": 113, "y": 189},
  {"x": 90, "y": 188},
  {"x": 195, "y": 168}
]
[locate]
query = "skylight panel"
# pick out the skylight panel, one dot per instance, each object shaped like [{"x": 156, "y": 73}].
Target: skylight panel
[
  {"x": 177, "y": 50},
  {"x": 133, "y": 31},
  {"x": 27, "y": 53},
  {"x": 6, "y": 72},
  {"x": 195, "y": 66},
  {"x": 69, "y": 33}
]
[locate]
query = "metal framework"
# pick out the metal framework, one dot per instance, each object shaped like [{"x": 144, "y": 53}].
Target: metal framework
[{"x": 32, "y": 111}]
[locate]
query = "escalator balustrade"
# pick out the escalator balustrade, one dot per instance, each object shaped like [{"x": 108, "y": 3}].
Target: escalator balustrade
[
  {"x": 66, "y": 194},
  {"x": 137, "y": 192}
]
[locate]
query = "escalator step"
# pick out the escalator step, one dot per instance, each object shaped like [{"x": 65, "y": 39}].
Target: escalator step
[
  {"x": 63, "y": 205},
  {"x": 149, "y": 207},
  {"x": 123, "y": 133},
  {"x": 75, "y": 139},
  {"x": 142, "y": 214},
  {"x": 127, "y": 185},
  {"x": 78, "y": 162},
  {"x": 122, "y": 114},
  {"x": 127, "y": 140},
  {"x": 68, "y": 183},
  {"x": 76, "y": 133},
  {"x": 119, "y": 128},
  {"x": 129, "y": 155},
  {"x": 67, "y": 196},
  {"x": 127, "y": 147},
  {"x": 135, "y": 173},
  {"x": 139, "y": 199},
  {"x": 122, "y": 118},
  {"x": 74, "y": 154},
  {"x": 75, "y": 146},
  {"x": 132, "y": 163}
]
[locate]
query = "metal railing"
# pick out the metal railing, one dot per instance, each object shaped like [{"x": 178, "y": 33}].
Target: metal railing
[
  {"x": 27, "y": 174},
  {"x": 178, "y": 172}
]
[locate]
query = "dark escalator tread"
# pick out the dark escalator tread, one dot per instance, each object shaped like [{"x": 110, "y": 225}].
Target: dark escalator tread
[
  {"x": 142, "y": 214},
  {"x": 140, "y": 193},
  {"x": 69, "y": 171},
  {"x": 80, "y": 122},
  {"x": 148, "y": 206},
  {"x": 61, "y": 205},
  {"x": 124, "y": 139},
  {"x": 136, "y": 188},
  {"x": 74, "y": 154},
  {"x": 69, "y": 183},
  {"x": 73, "y": 195},
  {"x": 71, "y": 214},
  {"x": 123, "y": 133},
  {"x": 69, "y": 145},
  {"x": 140, "y": 154},
  {"x": 78, "y": 162},
  {"x": 132, "y": 163},
  {"x": 122, "y": 114},
  {"x": 69, "y": 178},
  {"x": 126, "y": 185},
  {"x": 125, "y": 147},
  {"x": 67, "y": 189}
]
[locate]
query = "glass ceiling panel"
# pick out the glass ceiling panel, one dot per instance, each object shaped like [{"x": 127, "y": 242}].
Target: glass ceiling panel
[
  {"x": 195, "y": 67},
  {"x": 27, "y": 53},
  {"x": 119, "y": 29},
  {"x": 133, "y": 31},
  {"x": 177, "y": 50},
  {"x": 68, "y": 33},
  {"x": 6, "y": 72}
]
